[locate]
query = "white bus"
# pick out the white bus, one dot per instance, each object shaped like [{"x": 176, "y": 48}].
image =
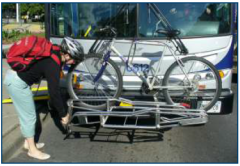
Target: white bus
[{"x": 207, "y": 30}]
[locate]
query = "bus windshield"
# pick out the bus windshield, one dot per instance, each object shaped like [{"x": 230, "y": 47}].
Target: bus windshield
[
  {"x": 192, "y": 19},
  {"x": 77, "y": 19}
]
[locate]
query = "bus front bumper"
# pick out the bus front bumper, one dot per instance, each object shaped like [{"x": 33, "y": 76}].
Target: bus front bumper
[
  {"x": 226, "y": 99},
  {"x": 223, "y": 106}
]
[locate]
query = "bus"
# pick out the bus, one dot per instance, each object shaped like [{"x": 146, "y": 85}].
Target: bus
[{"x": 207, "y": 30}]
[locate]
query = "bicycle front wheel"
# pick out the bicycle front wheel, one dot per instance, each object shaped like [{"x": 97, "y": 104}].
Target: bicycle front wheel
[
  {"x": 191, "y": 82},
  {"x": 83, "y": 84}
]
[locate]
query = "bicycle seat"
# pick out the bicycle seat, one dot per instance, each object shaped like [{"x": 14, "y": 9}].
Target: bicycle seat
[{"x": 169, "y": 33}]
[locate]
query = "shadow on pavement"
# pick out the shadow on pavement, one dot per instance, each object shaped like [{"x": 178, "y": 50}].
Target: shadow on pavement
[
  {"x": 42, "y": 108},
  {"x": 93, "y": 133}
]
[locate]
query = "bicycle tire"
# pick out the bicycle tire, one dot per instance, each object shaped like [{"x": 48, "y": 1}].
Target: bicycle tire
[
  {"x": 211, "y": 73},
  {"x": 95, "y": 65}
]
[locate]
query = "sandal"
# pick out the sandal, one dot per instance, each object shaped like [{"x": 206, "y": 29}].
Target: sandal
[
  {"x": 42, "y": 156},
  {"x": 38, "y": 145}
]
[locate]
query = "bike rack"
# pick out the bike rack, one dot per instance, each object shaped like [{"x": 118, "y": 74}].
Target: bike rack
[{"x": 138, "y": 115}]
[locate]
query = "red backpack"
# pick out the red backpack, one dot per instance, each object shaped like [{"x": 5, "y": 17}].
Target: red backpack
[{"x": 28, "y": 50}]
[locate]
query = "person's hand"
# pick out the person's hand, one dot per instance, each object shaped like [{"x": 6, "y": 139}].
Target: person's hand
[{"x": 65, "y": 119}]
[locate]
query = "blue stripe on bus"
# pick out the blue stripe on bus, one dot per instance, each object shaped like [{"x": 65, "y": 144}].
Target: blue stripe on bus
[
  {"x": 75, "y": 19},
  {"x": 227, "y": 61}
]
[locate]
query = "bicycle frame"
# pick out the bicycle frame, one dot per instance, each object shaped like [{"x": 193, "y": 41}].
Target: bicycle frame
[
  {"x": 178, "y": 44},
  {"x": 148, "y": 81}
]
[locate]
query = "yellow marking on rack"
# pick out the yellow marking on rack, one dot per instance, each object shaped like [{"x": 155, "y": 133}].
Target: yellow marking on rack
[{"x": 122, "y": 104}]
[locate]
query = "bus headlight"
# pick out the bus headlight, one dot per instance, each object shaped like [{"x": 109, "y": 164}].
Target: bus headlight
[
  {"x": 197, "y": 77},
  {"x": 209, "y": 76}
]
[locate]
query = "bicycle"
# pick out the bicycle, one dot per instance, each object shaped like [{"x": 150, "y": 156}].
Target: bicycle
[{"x": 185, "y": 81}]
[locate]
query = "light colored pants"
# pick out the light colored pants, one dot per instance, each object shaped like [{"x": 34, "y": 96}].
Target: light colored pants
[{"x": 22, "y": 98}]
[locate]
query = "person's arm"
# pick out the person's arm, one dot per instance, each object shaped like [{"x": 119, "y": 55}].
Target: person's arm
[{"x": 52, "y": 74}]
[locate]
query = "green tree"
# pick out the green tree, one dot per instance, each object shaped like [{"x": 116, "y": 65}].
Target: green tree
[
  {"x": 8, "y": 6},
  {"x": 24, "y": 8},
  {"x": 32, "y": 8},
  {"x": 36, "y": 9},
  {"x": 8, "y": 10}
]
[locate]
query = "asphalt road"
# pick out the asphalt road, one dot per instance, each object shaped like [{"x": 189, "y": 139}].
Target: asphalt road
[{"x": 215, "y": 142}]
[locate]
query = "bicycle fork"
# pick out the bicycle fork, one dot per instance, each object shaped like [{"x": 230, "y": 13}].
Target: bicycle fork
[
  {"x": 104, "y": 65},
  {"x": 181, "y": 65}
]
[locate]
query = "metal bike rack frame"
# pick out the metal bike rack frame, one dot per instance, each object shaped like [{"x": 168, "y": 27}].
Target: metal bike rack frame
[{"x": 139, "y": 115}]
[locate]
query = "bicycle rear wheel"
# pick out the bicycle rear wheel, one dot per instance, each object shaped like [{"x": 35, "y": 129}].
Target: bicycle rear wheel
[
  {"x": 201, "y": 82},
  {"x": 81, "y": 83}
]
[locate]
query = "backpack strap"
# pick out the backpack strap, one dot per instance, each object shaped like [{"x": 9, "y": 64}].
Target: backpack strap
[
  {"x": 55, "y": 54},
  {"x": 55, "y": 47},
  {"x": 56, "y": 59}
]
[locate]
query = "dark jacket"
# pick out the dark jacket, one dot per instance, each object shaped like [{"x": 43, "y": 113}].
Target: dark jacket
[{"x": 50, "y": 70}]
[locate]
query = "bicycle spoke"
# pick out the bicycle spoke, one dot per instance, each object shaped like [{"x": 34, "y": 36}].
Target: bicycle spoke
[
  {"x": 197, "y": 71},
  {"x": 108, "y": 85},
  {"x": 188, "y": 72}
]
